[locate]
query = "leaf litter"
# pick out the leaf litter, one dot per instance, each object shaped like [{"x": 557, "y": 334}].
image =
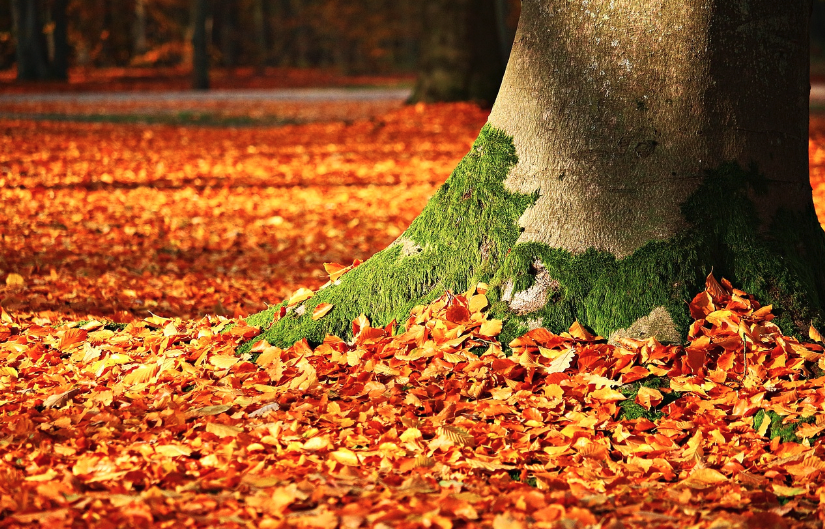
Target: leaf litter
[
  {"x": 431, "y": 424},
  {"x": 157, "y": 422}
]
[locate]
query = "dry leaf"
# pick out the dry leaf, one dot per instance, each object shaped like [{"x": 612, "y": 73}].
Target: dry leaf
[{"x": 321, "y": 310}]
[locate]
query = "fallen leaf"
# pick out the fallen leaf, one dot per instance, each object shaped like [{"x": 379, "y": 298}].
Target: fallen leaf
[{"x": 321, "y": 310}]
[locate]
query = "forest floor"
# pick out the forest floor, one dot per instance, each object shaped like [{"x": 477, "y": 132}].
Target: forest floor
[{"x": 127, "y": 247}]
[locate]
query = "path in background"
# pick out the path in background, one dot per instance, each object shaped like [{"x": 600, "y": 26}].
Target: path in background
[
  {"x": 163, "y": 79},
  {"x": 272, "y": 106}
]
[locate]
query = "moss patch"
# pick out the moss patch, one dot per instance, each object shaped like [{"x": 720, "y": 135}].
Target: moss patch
[
  {"x": 786, "y": 432},
  {"x": 631, "y": 410},
  {"x": 467, "y": 233},
  {"x": 462, "y": 237},
  {"x": 778, "y": 265}
]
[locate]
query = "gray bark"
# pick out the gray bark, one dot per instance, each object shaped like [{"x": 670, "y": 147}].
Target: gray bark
[{"x": 618, "y": 108}]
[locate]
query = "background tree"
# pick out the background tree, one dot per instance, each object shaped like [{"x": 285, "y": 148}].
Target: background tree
[
  {"x": 464, "y": 49},
  {"x": 200, "y": 49},
  {"x": 628, "y": 154},
  {"x": 40, "y": 28}
]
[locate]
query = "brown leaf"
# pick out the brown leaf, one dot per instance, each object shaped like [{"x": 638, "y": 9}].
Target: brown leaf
[
  {"x": 714, "y": 288},
  {"x": 61, "y": 399}
]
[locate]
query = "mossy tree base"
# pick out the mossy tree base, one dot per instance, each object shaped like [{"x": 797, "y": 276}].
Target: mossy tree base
[{"x": 468, "y": 231}]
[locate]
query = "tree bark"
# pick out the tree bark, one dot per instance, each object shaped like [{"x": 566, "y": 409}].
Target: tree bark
[
  {"x": 631, "y": 150},
  {"x": 200, "y": 47}
]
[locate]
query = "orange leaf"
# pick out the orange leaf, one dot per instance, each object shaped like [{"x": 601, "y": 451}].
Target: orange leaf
[
  {"x": 302, "y": 294},
  {"x": 814, "y": 334},
  {"x": 491, "y": 328},
  {"x": 321, "y": 310},
  {"x": 72, "y": 337}
]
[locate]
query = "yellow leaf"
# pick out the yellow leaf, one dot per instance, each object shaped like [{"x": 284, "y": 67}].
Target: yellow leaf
[
  {"x": 302, "y": 294},
  {"x": 490, "y": 328},
  {"x": 321, "y": 311},
  {"x": 269, "y": 355},
  {"x": 411, "y": 434},
  {"x": 345, "y": 457},
  {"x": 46, "y": 476},
  {"x": 318, "y": 443},
  {"x": 648, "y": 397},
  {"x": 223, "y": 361},
  {"x": 478, "y": 303},
  {"x": 211, "y": 410},
  {"x": 782, "y": 490},
  {"x": 223, "y": 430},
  {"x": 173, "y": 450},
  {"x": 703, "y": 478},
  {"x": 8, "y": 372},
  {"x": 15, "y": 280},
  {"x": 140, "y": 375},
  {"x": 561, "y": 362},
  {"x": 456, "y": 435},
  {"x": 336, "y": 270},
  {"x": 608, "y": 395},
  {"x": 170, "y": 329},
  {"x": 814, "y": 334}
]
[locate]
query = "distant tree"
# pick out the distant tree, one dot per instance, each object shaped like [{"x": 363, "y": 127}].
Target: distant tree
[
  {"x": 40, "y": 29},
  {"x": 464, "y": 50},
  {"x": 200, "y": 51}
]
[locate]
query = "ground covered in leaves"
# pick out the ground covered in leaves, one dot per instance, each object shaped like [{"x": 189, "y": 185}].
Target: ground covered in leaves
[
  {"x": 112, "y": 415},
  {"x": 159, "y": 422}
]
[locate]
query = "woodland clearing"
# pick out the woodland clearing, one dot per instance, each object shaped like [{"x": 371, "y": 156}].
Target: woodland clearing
[{"x": 127, "y": 251}]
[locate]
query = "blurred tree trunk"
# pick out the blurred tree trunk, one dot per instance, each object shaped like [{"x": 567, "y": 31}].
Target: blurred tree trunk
[
  {"x": 459, "y": 60},
  {"x": 139, "y": 29},
  {"x": 228, "y": 33},
  {"x": 200, "y": 51},
  {"x": 31, "y": 50},
  {"x": 259, "y": 26},
  {"x": 301, "y": 33},
  {"x": 60, "y": 39}
]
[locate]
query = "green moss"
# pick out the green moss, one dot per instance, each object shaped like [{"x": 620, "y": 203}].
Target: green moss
[
  {"x": 606, "y": 294},
  {"x": 468, "y": 231},
  {"x": 462, "y": 237},
  {"x": 630, "y": 410},
  {"x": 786, "y": 432}
]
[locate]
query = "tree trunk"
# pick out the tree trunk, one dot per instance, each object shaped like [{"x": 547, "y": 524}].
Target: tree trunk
[
  {"x": 30, "y": 51},
  {"x": 139, "y": 29},
  {"x": 228, "y": 34},
  {"x": 259, "y": 26},
  {"x": 631, "y": 150},
  {"x": 200, "y": 48},
  {"x": 60, "y": 39},
  {"x": 460, "y": 54}
]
